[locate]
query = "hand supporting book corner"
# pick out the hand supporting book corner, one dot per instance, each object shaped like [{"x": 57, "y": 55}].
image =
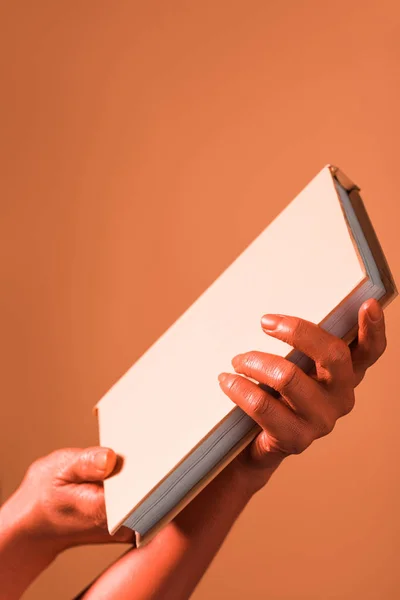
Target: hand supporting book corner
[
  {"x": 60, "y": 502},
  {"x": 308, "y": 405}
]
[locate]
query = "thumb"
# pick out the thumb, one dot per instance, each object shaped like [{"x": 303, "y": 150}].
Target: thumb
[
  {"x": 91, "y": 464},
  {"x": 371, "y": 340},
  {"x": 371, "y": 334}
]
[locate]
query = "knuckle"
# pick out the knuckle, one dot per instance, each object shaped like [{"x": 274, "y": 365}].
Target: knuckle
[
  {"x": 237, "y": 385},
  {"x": 348, "y": 403},
  {"x": 287, "y": 378},
  {"x": 85, "y": 461},
  {"x": 339, "y": 352},
  {"x": 33, "y": 469},
  {"x": 299, "y": 328},
  {"x": 302, "y": 440},
  {"x": 56, "y": 454},
  {"x": 59, "y": 460},
  {"x": 259, "y": 403},
  {"x": 263, "y": 443},
  {"x": 38, "y": 468},
  {"x": 325, "y": 426},
  {"x": 56, "y": 457}
]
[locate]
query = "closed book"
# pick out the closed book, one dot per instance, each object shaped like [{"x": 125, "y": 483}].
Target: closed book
[{"x": 167, "y": 418}]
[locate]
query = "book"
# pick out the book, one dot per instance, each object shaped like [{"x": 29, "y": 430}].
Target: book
[{"x": 167, "y": 419}]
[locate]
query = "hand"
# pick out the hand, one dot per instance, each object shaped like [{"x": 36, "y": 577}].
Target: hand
[
  {"x": 308, "y": 406},
  {"x": 61, "y": 500}
]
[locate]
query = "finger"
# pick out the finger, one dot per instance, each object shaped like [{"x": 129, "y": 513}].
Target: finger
[
  {"x": 331, "y": 354},
  {"x": 302, "y": 393},
  {"x": 90, "y": 464},
  {"x": 371, "y": 342},
  {"x": 99, "y": 535},
  {"x": 124, "y": 535},
  {"x": 281, "y": 375},
  {"x": 285, "y": 430},
  {"x": 88, "y": 502}
]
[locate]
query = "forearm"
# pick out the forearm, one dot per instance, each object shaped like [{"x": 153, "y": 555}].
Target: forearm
[
  {"x": 22, "y": 557},
  {"x": 170, "y": 566}
]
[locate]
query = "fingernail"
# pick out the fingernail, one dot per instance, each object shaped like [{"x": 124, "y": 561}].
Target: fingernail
[
  {"x": 226, "y": 378},
  {"x": 374, "y": 312},
  {"x": 270, "y": 322},
  {"x": 101, "y": 459},
  {"x": 236, "y": 360}
]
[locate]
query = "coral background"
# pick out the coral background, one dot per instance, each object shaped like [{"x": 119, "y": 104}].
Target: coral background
[{"x": 143, "y": 145}]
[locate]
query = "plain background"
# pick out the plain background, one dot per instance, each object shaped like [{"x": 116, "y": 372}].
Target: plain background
[{"x": 143, "y": 145}]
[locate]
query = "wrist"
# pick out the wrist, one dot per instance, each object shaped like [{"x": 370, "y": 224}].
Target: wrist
[
  {"x": 251, "y": 476},
  {"x": 20, "y": 529}
]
